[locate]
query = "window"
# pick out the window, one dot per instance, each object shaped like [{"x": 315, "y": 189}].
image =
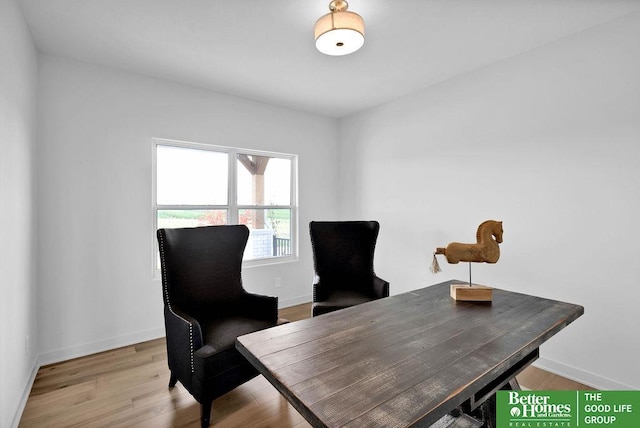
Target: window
[{"x": 201, "y": 185}]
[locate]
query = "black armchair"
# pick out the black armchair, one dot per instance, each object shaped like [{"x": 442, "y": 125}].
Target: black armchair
[
  {"x": 343, "y": 260},
  {"x": 206, "y": 309}
]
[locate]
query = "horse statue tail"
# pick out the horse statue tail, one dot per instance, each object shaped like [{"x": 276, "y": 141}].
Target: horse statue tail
[{"x": 435, "y": 267}]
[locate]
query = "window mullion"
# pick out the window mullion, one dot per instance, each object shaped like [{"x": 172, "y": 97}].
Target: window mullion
[
  {"x": 232, "y": 213},
  {"x": 190, "y": 207}
]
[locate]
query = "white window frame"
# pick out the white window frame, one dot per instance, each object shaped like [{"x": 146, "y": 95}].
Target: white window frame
[{"x": 233, "y": 207}]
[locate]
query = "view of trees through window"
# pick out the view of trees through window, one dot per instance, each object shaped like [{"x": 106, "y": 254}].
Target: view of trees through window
[{"x": 202, "y": 187}]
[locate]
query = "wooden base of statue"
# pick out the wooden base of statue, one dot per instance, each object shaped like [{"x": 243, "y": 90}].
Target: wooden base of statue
[{"x": 471, "y": 293}]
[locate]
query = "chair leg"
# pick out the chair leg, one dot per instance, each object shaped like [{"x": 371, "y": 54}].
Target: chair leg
[
  {"x": 173, "y": 380},
  {"x": 206, "y": 413}
]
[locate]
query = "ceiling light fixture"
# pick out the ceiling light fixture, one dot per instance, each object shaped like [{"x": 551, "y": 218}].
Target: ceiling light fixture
[{"x": 339, "y": 32}]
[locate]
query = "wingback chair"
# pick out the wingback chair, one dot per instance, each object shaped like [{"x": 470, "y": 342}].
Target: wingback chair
[
  {"x": 206, "y": 309},
  {"x": 343, "y": 260}
]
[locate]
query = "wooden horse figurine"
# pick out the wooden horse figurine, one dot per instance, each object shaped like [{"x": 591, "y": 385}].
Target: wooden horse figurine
[{"x": 485, "y": 250}]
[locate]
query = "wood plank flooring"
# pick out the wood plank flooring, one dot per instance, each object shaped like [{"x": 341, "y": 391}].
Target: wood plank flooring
[{"x": 127, "y": 387}]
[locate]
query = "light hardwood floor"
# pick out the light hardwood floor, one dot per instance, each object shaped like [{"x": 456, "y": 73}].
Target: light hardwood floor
[{"x": 127, "y": 387}]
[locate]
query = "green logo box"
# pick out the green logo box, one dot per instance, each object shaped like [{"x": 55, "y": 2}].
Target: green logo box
[{"x": 567, "y": 409}]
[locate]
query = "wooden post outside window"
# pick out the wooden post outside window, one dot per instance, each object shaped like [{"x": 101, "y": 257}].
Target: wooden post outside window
[{"x": 256, "y": 165}]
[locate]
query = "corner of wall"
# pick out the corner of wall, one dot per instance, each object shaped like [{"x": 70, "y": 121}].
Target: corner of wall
[{"x": 25, "y": 393}]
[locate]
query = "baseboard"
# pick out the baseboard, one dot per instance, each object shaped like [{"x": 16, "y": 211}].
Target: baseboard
[
  {"x": 285, "y": 303},
  {"x": 25, "y": 394},
  {"x": 82, "y": 350},
  {"x": 99, "y": 346},
  {"x": 584, "y": 377}
]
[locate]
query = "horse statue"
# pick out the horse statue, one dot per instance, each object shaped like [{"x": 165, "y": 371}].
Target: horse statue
[{"x": 485, "y": 250}]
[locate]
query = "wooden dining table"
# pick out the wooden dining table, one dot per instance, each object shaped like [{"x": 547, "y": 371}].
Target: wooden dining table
[{"x": 407, "y": 360}]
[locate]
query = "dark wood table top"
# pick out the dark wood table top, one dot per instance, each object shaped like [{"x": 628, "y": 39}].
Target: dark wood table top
[{"x": 402, "y": 361}]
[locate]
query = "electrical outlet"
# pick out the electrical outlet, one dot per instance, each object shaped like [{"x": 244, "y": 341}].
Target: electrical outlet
[{"x": 277, "y": 282}]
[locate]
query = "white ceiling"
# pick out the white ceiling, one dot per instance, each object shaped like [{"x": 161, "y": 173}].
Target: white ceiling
[{"x": 264, "y": 50}]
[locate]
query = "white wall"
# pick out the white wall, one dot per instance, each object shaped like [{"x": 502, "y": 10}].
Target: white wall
[
  {"x": 96, "y": 230},
  {"x": 18, "y": 79},
  {"x": 548, "y": 142}
]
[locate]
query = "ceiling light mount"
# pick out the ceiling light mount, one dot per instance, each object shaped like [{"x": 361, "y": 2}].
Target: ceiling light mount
[
  {"x": 338, "y": 6},
  {"x": 339, "y": 32}
]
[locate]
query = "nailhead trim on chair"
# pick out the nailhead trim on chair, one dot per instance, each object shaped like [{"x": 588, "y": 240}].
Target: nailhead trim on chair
[
  {"x": 164, "y": 273},
  {"x": 316, "y": 281},
  {"x": 191, "y": 345},
  {"x": 168, "y": 303}
]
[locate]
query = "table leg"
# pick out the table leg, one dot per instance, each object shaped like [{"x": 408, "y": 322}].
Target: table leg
[
  {"x": 487, "y": 410},
  {"x": 514, "y": 384}
]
